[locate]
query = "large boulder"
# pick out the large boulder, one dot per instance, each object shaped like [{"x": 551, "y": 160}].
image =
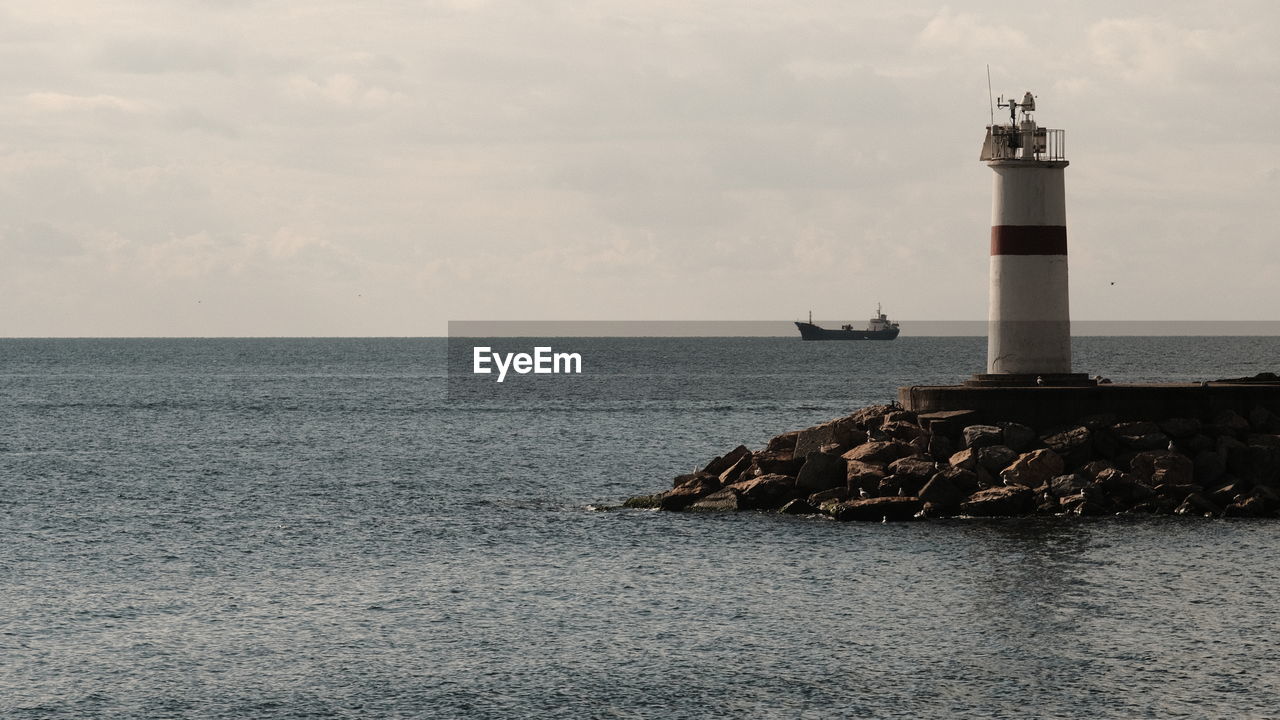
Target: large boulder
[
  {"x": 1067, "y": 485},
  {"x": 821, "y": 472},
  {"x": 1158, "y": 467},
  {"x": 1229, "y": 422},
  {"x": 766, "y": 492},
  {"x": 883, "y": 452},
  {"x": 1208, "y": 466},
  {"x": 996, "y": 457},
  {"x": 1074, "y": 444},
  {"x": 869, "y": 418},
  {"x": 1000, "y": 501},
  {"x": 967, "y": 459},
  {"x": 977, "y": 436},
  {"x": 723, "y": 500},
  {"x": 841, "y": 432},
  {"x": 1017, "y": 436},
  {"x": 901, "y": 430},
  {"x": 775, "y": 462},
  {"x": 720, "y": 464},
  {"x": 1033, "y": 469},
  {"x": 915, "y": 466},
  {"x": 877, "y": 509},
  {"x": 682, "y": 497},
  {"x": 863, "y": 476},
  {"x": 1180, "y": 427},
  {"x": 798, "y": 507},
  {"x": 785, "y": 441},
  {"x": 1255, "y": 463},
  {"x": 942, "y": 490},
  {"x": 740, "y": 470}
]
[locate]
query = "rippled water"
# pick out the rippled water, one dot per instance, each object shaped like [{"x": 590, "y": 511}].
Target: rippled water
[{"x": 316, "y": 528}]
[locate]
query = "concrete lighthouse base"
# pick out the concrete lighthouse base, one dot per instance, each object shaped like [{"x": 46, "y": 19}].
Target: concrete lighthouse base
[{"x": 1048, "y": 406}]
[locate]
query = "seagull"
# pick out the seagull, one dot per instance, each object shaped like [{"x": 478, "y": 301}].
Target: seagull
[{"x": 1039, "y": 380}]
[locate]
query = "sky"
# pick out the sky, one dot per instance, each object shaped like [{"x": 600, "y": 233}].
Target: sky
[{"x": 287, "y": 168}]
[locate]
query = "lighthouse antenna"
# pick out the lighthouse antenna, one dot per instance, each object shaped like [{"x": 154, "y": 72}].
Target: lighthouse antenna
[{"x": 990, "y": 102}]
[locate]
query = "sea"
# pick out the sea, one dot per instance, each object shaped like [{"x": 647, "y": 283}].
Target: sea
[{"x": 363, "y": 528}]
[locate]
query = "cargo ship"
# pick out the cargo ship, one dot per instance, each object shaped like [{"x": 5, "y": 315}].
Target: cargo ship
[{"x": 878, "y": 328}]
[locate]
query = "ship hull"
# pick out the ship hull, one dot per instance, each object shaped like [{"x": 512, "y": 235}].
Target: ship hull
[{"x": 809, "y": 331}]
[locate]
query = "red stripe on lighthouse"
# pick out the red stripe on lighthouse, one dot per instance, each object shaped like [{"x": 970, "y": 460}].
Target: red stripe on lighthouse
[{"x": 1028, "y": 240}]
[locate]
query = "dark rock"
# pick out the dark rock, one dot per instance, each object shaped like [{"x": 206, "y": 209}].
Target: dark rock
[
  {"x": 1106, "y": 444},
  {"x": 1102, "y": 421},
  {"x": 786, "y": 441},
  {"x": 978, "y": 436},
  {"x": 738, "y": 471},
  {"x": 1175, "y": 493},
  {"x": 1257, "y": 464},
  {"x": 1264, "y": 421},
  {"x": 1208, "y": 466},
  {"x": 915, "y": 466},
  {"x": 1121, "y": 489},
  {"x": 643, "y": 502},
  {"x": 1197, "y": 504},
  {"x": 1018, "y": 437},
  {"x": 841, "y": 432},
  {"x": 869, "y": 418},
  {"x": 1033, "y": 469},
  {"x": 1227, "y": 443},
  {"x": 1196, "y": 444},
  {"x": 996, "y": 457},
  {"x": 1270, "y": 498},
  {"x": 720, "y": 464},
  {"x": 942, "y": 490},
  {"x": 930, "y": 511},
  {"x": 1229, "y": 422},
  {"x": 1226, "y": 492},
  {"x": 863, "y": 476},
  {"x": 1180, "y": 427},
  {"x": 948, "y": 423},
  {"x": 1262, "y": 440},
  {"x": 967, "y": 459},
  {"x": 1073, "y": 444},
  {"x": 685, "y": 495},
  {"x": 939, "y": 448},
  {"x": 877, "y": 509},
  {"x": 1000, "y": 501},
  {"x": 1150, "y": 441},
  {"x": 1047, "y": 504},
  {"x": 1250, "y": 507},
  {"x": 902, "y": 431},
  {"x": 905, "y": 416},
  {"x": 724, "y": 500},
  {"x": 775, "y": 462},
  {"x": 966, "y": 481},
  {"x": 1135, "y": 429},
  {"x": 821, "y": 472},
  {"x": 1158, "y": 467},
  {"x": 1067, "y": 485},
  {"x": 691, "y": 479},
  {"x": 879, "y": 452},
  {"x": 836, "y": 493},
  {"x": 798, "y": 507},
  {"x": 1091, "y": 469},
  {"x": 765, "y": 492}
]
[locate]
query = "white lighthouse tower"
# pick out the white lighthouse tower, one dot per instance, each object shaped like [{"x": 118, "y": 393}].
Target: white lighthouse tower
[{"x": 1029, "y": 318}]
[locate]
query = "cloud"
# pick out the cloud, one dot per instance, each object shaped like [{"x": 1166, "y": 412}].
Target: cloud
[
  {"x": 342, "y": 90},
  {"x": 62, "y": 102},
  {"x": 951, "y": 31}
]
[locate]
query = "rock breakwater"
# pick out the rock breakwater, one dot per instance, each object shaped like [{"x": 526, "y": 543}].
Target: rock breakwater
[{"x": 886, "y": 463}]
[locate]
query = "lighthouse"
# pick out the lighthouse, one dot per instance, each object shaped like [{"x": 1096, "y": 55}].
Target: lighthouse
[{"x": 1029, "y": 319}]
